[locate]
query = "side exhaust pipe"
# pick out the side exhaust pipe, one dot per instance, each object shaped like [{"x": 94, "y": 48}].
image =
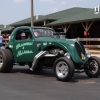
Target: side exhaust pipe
[{"x": 36, "y": 58}]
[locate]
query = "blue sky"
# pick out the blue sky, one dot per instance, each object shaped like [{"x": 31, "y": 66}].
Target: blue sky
[{"x": 15, "y": 10}]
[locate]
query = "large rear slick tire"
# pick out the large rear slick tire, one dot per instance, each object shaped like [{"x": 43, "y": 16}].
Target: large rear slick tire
[
  {"x": 93, "y": 67},
  {"x": 6, "y": 60},
  {"x": 63, "y": 69}
]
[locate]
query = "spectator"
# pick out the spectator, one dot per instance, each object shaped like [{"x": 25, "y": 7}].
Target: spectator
[
  {"x": 1, "y": 39},
  {"x": 9, "y": 37}
]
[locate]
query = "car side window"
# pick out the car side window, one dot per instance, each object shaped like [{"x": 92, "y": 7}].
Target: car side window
[{"x": 23, "y": 34}]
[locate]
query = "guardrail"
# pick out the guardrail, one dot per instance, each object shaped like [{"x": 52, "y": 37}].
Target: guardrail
[{"x": 88, "y": 40}]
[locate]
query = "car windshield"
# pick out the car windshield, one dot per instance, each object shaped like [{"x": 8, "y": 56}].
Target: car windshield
[{"x": 43, "y": 32}]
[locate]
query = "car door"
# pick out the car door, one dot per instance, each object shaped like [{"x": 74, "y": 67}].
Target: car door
[{"x": 24, "y": 50}]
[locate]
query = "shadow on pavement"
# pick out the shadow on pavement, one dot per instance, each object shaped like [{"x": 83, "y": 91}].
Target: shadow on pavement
[
  {"x": 26, "y": 70},
  {"x": 49, "y": 73}
]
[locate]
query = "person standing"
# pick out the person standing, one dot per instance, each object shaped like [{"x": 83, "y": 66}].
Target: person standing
[{"x": 1, "y": 39}]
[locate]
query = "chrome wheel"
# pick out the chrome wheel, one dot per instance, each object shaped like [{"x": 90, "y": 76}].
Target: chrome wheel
[
  {"x": 1, "y": 61},
  {"x": 62, "y": 69}
]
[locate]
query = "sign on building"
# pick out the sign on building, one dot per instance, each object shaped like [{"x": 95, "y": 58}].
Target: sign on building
[
  {"x": 96, "y": 10},
  {"x": 37, "y": 17}
]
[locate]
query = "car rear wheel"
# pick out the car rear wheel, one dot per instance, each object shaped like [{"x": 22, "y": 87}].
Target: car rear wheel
[
  {"x": 6, "y": 60},
  {"x": 63, "y": 69},
  {"x": 93, "y": 67}
]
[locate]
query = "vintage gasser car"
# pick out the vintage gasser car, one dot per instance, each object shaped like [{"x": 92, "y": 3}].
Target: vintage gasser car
[{"x": 40, "y": 49}]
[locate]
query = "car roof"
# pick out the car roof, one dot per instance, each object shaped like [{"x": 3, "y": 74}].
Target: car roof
[{"x": 34, "y": 27}]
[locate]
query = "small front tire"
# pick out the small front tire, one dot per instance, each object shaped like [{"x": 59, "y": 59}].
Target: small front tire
[
  {"x": 93, "y": 67},
  {"x": 63, "y": 69}
]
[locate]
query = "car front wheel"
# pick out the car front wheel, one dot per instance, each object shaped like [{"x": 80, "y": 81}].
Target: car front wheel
[{"x": 93, "y": 67}]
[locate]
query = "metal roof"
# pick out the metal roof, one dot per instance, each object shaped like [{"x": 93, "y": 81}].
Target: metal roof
[
  {"x": 88, "y": 15},
  {"x": 68, "y": 16},
  {"x": 53, "y": 16},
  {"x": 26, "y": 21},
  {"x": 1, "y": 26},
  {"x": 6, "y": 28}
]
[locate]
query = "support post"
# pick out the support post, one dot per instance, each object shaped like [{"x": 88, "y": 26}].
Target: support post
[
  {"x": 66, "y": 28},
  {"x": 32, "y": 14},
  {"x": 86, "y": 28}
]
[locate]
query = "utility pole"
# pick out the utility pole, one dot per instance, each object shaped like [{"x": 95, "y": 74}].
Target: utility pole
[{"x": 32, "y": 14}]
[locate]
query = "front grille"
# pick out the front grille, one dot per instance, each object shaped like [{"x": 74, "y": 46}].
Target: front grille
[
  {"x": 79, "y": 49},
  {"x": 83, "y": 49}
]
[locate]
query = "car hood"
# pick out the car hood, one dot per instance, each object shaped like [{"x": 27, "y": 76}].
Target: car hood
[
  {"x": 56, "y": 40},
  {"x": 74, "y": 48}
]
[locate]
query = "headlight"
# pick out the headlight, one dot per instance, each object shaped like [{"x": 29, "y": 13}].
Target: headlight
[
  {"x": 67, "y": 55},
  {"x": 88, "y": 54}
]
